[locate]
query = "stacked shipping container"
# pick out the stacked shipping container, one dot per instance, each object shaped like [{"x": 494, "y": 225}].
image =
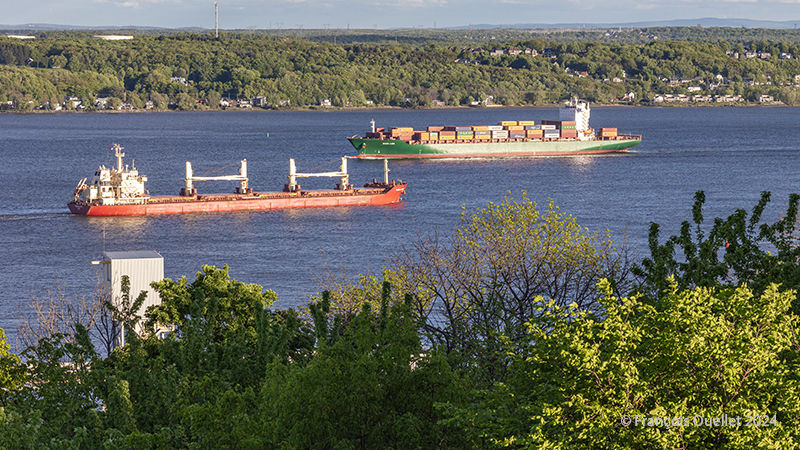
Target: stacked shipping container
[{"x": 507, "y": 129}]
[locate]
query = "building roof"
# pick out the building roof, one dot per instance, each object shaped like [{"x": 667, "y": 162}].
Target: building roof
[
  {"x": 136, "y": 254},
  {"x": 112, "y": 37}
]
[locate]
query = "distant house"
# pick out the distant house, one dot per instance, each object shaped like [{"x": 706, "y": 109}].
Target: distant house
[
  {"x": 284, "y": 102},
  {"x": 224, "y": 102},
  {"x": 497, "y": 52},
  {"x": 671, "y": 98},
  {"x": 325, "y": 102},
  {"x": 74, "y": 102},
  {"x": 514, "y": 51},
  {"x": 180, "y": 80},
  {"x": 617, "y": 80},
  {"x": 530, "y": 51},
  {"x": 16, "y": 36},
  {"x": 694, "y": 89},
  {"x": 785, "y": 56},
  {"x": 765, "y": 99},
  {"x": 113, "y": 38},
  {"x": 260, "y": 102},
  {"x": 701, "y": 98},
  {"x": 244, "y": 103},
  {"x": 728, "y": 98}
]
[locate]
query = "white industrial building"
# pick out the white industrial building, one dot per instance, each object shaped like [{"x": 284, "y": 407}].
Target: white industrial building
[{"x": 142, "y": 268}]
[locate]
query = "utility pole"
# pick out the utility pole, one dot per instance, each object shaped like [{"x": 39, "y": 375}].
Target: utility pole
[{"x": 216, "y": 20}]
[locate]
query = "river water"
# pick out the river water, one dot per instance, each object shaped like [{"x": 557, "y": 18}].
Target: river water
[{"x": 731, "y": 153}]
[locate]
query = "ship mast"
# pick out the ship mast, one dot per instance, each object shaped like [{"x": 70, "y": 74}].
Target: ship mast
[{"x": 118, "y": 153}]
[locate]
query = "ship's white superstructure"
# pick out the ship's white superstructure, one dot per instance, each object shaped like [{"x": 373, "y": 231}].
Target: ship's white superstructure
[
  {"x": 579, "y": 111},
  {"x": 119, "y": 186}
]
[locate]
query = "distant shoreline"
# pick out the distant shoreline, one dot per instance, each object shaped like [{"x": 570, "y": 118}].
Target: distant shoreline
[{"x": 397, "y": 108}]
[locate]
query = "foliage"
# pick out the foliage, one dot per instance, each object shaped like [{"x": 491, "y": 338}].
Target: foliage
[
  {"x": 499, "y": 336},
  {"x": 703, "y": 355},
  {"x": 739, "y": 250},
  {"x": 11, "y": 369},
  {"x": 228, "y": 305},
  {"x": 59, "y": 400},
  {"x": 373, "y": 387},
  {"x": 185, "y": 68},
  {"x": 490, "y": 278}
]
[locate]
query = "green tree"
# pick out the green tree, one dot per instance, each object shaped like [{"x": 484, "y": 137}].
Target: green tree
[
  {"x": 491, "y": 276},
  {"x": 11, "y": 370},
  {"x": 58, "y": 61},
  {"x": 213, "y": 99},
  {"x": 184, "y": 101},
  {"x": 372, "y": 386},
  {"x": 114, "y": 103},
  {"x": 703, "y": 355},
  {"x": 736, "y": 251},
  {"x": 227, "y": 303},
  {"x": 61, "y": 388},
  {"x": 160, "y": 101}
]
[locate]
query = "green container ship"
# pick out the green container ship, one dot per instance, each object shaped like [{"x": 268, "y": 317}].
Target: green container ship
[{"x": 570, "y": 135}]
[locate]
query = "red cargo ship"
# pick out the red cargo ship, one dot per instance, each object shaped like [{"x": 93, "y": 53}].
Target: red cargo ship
[{"x": 121, "y": 192}]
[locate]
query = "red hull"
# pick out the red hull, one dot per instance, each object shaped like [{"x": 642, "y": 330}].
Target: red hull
[{"x": 256, "y": 202}]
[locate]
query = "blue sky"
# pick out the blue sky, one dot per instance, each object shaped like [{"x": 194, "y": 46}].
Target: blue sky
[{"x": 266, "y": 14}]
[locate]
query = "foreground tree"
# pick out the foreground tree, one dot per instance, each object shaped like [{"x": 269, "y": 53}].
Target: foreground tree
[
  {"x": 11, "y": 370},
  {"x": 737, "y": 251},
  {"x": 492, "y": 275},
  {"x": 370, "y": 385},
  {"x": 642, "y": 377}
]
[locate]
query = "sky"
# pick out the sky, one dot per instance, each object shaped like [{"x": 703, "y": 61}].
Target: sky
[{"x": 380, "y": 14}]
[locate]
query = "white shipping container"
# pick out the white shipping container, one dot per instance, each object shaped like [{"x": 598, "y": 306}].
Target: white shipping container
[{"x": 500, "y": 134}]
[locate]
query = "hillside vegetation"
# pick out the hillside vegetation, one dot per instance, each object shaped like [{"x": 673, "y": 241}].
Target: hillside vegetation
[{"x": 192, "y": 71}]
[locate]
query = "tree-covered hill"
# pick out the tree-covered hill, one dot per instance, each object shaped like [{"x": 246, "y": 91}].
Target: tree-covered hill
[{"x": 194, "y": 70}]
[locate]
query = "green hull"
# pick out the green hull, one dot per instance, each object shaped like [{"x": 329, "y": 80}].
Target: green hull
[{"x": 380, "y": 149}]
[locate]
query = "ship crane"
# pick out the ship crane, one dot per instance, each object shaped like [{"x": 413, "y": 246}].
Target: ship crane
[
  {"x": 343, "y": 185},
  {"x": 241, "y": 178}
]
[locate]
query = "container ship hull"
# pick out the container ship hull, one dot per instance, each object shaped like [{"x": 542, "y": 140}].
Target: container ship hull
[
  {"x": 394, "y": 148},
  {"x": 233, "y": 202},
  {"x": 570, "y": 135}
]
